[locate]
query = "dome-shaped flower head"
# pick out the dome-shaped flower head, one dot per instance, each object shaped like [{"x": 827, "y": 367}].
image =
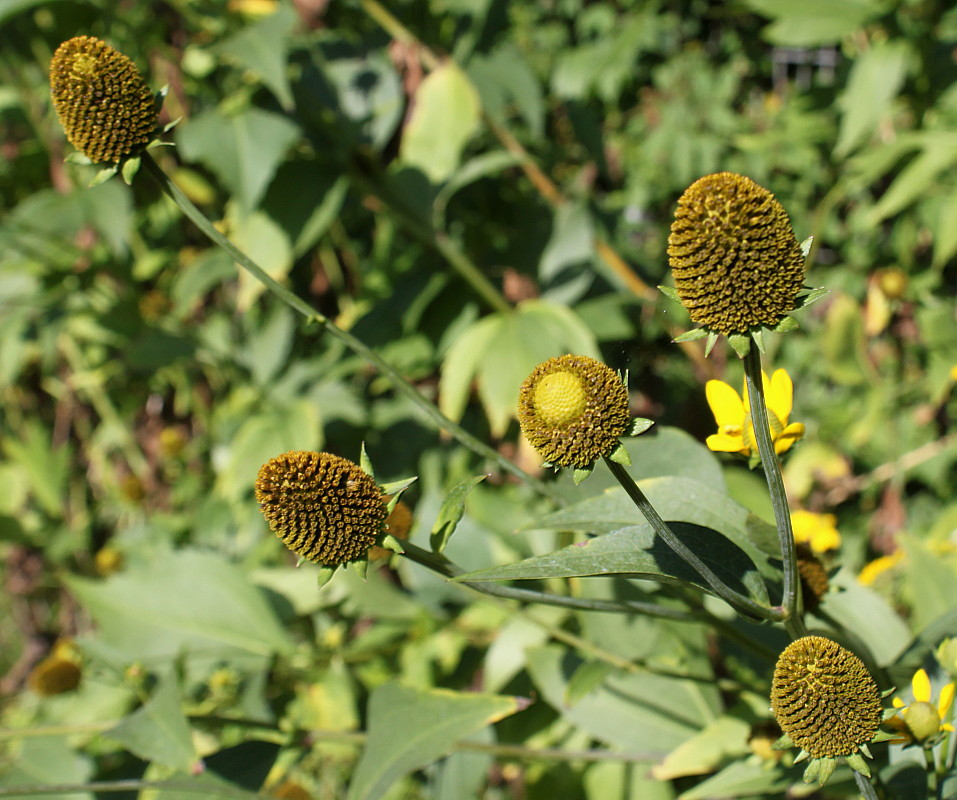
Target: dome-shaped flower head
[
  {"x": 573, "y": 410},
  {"x": 735, "y": 259},
  {"x": 827, "y": 703},
  {"x": 104, "y": 105},
  {"x": 323, "y": 507},
  {"x": 922, "y": 721}
]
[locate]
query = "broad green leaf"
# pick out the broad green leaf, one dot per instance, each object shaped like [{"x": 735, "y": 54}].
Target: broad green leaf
[
  {"x": 945, "y": 234},
  {"x": 675, "y": 498},
  {"x": 409, "y": 728},
  {"x": 181, "y": 602},
  {"x": 930, "y": 584},
  {"x": 243, "y": 149},
  {"x": 450, "y": 514},
  {"x": 875, "y": 80},
  {"x": 474, "y": 169},
  {"x": 266, "y": 244},
  {"x": 262, "y": 49},
  {"x": 869, "y": 615},
  {"x": 912, "y": 182},
  {"x": 636, "y": 712},
  {"x": 370, "y": 96},
  {"x": 610, "y": 779},
  {"x": 565, "y": 266},
  {"x": 45, "y": 466},
  {"x": 721, "y": 740},
  {"x": 47, "y": 761},
  {"x": 158, "y": 731},
  {"x": 637, "y": 552},
  {"x": 813, "y": 22},
  {"x": 445, "y": 114},
  {"x": 506, "y": 83},
  {"x": 747, "y": 778},
  {"x": 501, "y": 350}
]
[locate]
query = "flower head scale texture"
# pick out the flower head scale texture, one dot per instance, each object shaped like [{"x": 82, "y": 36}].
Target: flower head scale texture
[
  {"x": 323, "y": 507},
  {"x": 104, "y": 105},
  {"x": 733, "y": 416},
  {"x": 824, "y": 698},
  {"x": 733, "y": 253},
  {"x": 922, "y": 720},
  {"x": 573, "y": 410},
  {"x": 814, "y": 580}
]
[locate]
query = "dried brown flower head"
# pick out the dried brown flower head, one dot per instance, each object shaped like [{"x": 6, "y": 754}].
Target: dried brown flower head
[
  {"x": 735, "y": 259},
  {"x": 106, "y": 108},
  {"x": 573, "y": 409},
  {"x": 814, "y": 580},
  {"x": 323, "y": 507}
]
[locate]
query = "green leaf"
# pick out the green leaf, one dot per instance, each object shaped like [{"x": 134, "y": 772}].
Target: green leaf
[
  {"x": 243, "y": 149},
  {"x": 265, "y": 243},
  {"x": 720, "y": 741},
  {"x": 445, "y": 114},
  {"x": 158, "y": 731},
  {"x": 44, "y": 466},
  {"x": 691, "y": 336},
  {"x": 740, "y": 343},
  {"x": 813, "y": 22},
  {"x": 184, "y": 601},
  {"x": 450, "y": 514},
  {"x": 875, "y": 79},
  {"x": 262, "y": 49},
  {"x": 747, "y": 778},
  {"x": 637, "y": 552},
  {"x": 912, "y": 181},
  {"x": 47, "y": 761},
  {"x": 565, "y": 269},
  {"x": 634, "y": 712},
  {"x": 670, "y": 292},
  {"x": 409, "y": 728},
  {"x": 500, "y": 351}
]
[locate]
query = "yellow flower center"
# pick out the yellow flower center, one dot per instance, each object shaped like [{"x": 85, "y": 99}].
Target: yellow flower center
[
  {"x": 922, "y": 720},
  {"x": 84, "y": 65},
  {"x": 560, "y": 398}
]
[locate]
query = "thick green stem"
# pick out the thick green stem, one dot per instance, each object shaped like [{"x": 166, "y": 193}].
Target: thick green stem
[
  {"x": 443, "y": 566},
  {"x": 402, "y": 386},
  {"x": 791, "y": 593},
  {"x": 734, "y": 599}
]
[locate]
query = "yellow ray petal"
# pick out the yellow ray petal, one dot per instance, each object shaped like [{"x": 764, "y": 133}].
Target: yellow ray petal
[
  {"x": 789, "y": 436},
  {"x": 946, "y": 700},
  {"x": 779, "y": 393},
  {"x": 723, "y": 443},
  {"x": 898, "y": 703},
  {"x": 921, "y": 686},
  {"x": 725, "y": 404}
]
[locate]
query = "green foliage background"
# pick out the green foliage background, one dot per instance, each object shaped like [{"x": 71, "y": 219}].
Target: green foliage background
[{"x": 375, "y": 160}]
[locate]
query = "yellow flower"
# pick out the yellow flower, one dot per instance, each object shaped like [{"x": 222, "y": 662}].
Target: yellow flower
[
  {"x": 817, "y": 530},
  {"x": 735, "y": 431},
  {"x": 953, "y": 373},
  {"x": 871, "y": 571},
  {"x": 920, "y": 720}
]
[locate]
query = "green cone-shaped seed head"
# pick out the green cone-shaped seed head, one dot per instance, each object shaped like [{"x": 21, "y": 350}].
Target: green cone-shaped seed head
[
  {"x": 824, "y": 698},
  {"x": 573, "y": 409},
  {"x": 103, "y": 103},
  {"x": 323, "y": 507},
  {"x": 735, "y": 259}
]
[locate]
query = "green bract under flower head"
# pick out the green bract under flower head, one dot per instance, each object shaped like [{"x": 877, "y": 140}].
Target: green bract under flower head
[
  {"x": 103, "y": 103},
  {"x": 573, "y": 409},
  {"x": 825, "y": 700},
  {"x": 735, "y": 259},
  {"x": 323, "y": 507}
]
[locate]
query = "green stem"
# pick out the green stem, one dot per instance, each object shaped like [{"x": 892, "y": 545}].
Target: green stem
[
  {"x": 865, "y": 786},
  {"x": 402, "y": 386},
  {"x": 438, "y": 563},
  {"x": 931, "y": 768},
  {"x": 791, "y": 593},
  {"x": 721, "y": 589},
  {"x": 200, "y": 788}
]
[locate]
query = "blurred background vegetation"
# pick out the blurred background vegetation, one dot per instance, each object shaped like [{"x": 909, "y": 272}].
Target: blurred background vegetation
[{"x": 413, "y": 169}]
